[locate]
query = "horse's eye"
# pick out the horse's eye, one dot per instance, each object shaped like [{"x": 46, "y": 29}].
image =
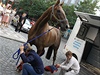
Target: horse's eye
[{"x": 58, "y": 11}]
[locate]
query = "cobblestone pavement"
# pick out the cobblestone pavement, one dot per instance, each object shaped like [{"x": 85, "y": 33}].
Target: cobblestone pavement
[{"x": 8, "y": 47}]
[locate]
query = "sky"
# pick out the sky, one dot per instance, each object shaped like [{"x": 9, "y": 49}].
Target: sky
[{"x": 72, "y": 1}]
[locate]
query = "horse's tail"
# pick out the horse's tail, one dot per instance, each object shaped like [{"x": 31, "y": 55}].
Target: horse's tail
[{"x": 49, "y": 52}]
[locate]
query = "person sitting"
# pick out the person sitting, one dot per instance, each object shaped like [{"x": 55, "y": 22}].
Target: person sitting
[
  {"x": 32, "y": 63},
  {"x": 70, "y": 66}
]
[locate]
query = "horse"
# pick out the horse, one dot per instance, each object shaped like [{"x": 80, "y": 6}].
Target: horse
[{"x": 51, "y": 39}]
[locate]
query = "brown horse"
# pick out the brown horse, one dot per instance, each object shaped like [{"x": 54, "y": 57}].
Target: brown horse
[{"x": 51, "y": 39}]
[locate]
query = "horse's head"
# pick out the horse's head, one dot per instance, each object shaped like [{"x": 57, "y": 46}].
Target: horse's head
[{"x": 59, "y": 16}]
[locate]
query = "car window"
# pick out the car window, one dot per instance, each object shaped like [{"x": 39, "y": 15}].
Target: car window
[{"x": 27, "y": 22}]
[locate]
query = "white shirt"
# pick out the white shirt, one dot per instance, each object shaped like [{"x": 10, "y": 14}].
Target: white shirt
[
  {"x": 7, "y": 12},
  {"x": 73, "y": 64},
  {"x": 13, "y": 13},
  {"x": 1, "y": 8}
]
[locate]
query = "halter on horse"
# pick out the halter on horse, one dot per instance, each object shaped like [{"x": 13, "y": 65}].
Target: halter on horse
[{"x": 51, "y": 39}]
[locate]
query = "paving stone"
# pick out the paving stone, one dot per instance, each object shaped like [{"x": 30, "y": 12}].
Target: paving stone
[{"x": 8, "y": 47}]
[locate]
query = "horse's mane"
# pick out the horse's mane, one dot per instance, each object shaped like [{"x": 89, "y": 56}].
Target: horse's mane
[{"x": 43, "y": 19}]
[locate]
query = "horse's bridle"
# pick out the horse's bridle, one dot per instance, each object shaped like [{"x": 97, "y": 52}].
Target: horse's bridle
[{"x": 52, "y": 14}]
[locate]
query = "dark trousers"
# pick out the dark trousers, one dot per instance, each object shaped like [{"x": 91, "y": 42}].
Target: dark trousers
[
  {"x": 28, "y": 70},
  {"x": 18, "y": 27}
]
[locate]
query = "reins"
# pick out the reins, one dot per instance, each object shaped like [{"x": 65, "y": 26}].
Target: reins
[{"x": 17, "y": 53}]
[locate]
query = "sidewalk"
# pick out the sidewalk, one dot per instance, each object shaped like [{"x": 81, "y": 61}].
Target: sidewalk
[{"x": 9, "y": 33}]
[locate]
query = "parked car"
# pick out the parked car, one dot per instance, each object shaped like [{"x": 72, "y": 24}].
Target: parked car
[{"x": 26, "y": 27}]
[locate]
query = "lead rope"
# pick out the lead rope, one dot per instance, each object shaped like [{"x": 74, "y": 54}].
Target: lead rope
[{"x": 17, "y": 53}]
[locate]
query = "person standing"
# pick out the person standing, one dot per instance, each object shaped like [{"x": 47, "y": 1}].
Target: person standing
[
  {"x": 70, "y": 66},
  {"x": 19, "y": 12},
  {"x": 12, "y": 15},
  {"x": 33, "y": 64},
  {"x": 1, "y": 12},
  {"x": 6, "y": 16},
  {"x": 21, "y": 21}
]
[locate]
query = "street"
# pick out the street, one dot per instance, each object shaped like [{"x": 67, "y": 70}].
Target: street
[
  {"x": 83, "y": 38},
  {"x": 8, "y": 47}
]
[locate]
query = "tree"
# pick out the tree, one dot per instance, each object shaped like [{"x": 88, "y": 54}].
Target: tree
[
  {"x": 69, "y": 11},
  {"x": 35, "y": 8},
  {"x": 87, "y": 6}
]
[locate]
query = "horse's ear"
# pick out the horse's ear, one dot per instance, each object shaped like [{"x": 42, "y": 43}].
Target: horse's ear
[
  {"x": 57, "y": 2},
  {"x": 62, "y": 3}
]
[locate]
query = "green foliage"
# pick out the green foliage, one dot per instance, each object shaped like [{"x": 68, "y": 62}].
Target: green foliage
[
  {"x": 35, "y": 8},
  {"x": 51, "y": 2},
  {"x": 69, "y": 11},
  {"x": 88, "y": 6}
]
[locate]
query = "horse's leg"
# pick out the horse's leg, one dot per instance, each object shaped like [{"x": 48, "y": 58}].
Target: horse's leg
[
  {"x": 49, "y": 52},
  {"x": 40, "y": 51},
  {"x": 56, "y": 46},
  {"x": 55, "y": 54}
]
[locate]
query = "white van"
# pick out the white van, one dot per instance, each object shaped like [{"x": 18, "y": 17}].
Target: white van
[{"x": 84, "y": 40}]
